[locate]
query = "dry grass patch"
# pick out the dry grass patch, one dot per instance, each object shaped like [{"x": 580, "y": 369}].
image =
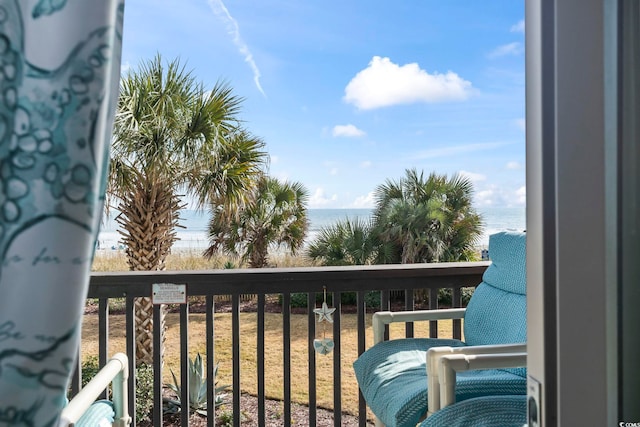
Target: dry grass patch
[
  {"x": 107, "y": 260},
  {"x": 273, "y": 351}
]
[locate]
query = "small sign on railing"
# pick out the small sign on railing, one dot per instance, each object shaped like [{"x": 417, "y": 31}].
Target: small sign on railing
[{"x": 169, "y": 293}]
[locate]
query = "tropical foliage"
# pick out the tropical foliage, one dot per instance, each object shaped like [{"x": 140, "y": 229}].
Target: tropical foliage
[
  {"x": 414, "y": 220},
  {"x": 275, "y": 214},
  {"x": 172, "y": 137},
  {"x": 427, "y": 220},
  {"x": 349, "y": 242},
  {"x": 197, "y": 389}
]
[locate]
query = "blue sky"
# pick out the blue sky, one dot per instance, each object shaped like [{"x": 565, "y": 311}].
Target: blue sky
[{"x": 349, "y": 93}]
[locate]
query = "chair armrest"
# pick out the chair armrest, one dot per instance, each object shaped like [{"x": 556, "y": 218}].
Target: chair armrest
[
  {"x": 382, "y": 318},
  {"x": 453, "y": 363},
  {"x": 435, "y": 354},
  {"x": 116, "y": 371}
]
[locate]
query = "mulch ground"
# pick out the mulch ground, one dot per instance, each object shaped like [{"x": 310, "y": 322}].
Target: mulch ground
[{"x": 274, "y": 410}]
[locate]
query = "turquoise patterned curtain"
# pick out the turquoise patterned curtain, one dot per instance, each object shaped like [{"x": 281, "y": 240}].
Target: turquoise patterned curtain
[{"x": 59, "y": 71}]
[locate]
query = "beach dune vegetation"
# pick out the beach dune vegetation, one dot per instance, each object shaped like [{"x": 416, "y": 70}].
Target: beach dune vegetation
[
  {"x": 415, "y": 219},
  {"x": 275, "y": 214},
  {"x": 428, "y": 219},
  {"x": 349, "y": 242}
]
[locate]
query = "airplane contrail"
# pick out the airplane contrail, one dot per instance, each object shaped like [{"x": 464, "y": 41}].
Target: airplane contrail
[{"x": 234, "y": 30}]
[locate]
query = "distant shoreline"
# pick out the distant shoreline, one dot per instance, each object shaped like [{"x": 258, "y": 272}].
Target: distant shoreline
[{"x": 194, "y": 238}]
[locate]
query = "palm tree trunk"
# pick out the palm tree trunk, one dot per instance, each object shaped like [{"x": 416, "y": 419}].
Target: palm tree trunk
[
  {"x": 259, "y": 256},
  {"x": 149, "y": 217}
]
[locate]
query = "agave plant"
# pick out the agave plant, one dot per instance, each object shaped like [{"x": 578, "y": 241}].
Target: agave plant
[{"x": 197, "y": 389}]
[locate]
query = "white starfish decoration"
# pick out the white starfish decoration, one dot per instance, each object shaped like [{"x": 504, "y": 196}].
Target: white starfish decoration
[{"x": 324, "y": 313}]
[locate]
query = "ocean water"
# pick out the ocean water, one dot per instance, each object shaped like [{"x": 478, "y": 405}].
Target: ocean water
[{"x": 194, "y": 235}]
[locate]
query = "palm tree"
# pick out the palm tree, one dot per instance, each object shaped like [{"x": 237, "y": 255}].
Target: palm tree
[
  {"x": 460, "y": 238},
  {"x": 172, "y": 138},
  {"x": 427, "y": 220},
  {"x": 349, "y": 242},
  {"x": 276, "y": 215}
]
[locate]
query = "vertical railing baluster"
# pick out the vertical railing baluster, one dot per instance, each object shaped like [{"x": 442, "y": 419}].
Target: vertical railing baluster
[
  {"x": 361, "y": 318},
  {"x": 385, "y": 305},
  {"x": 456, "y": 301},
  {"x": 130, "y": 326},
  {"x": 103, "y": 336},
  {"x": 103, "y": 331},
  {"x": 385, "y": 300},
  {"x": 337, "y": 361},
  {"x": 184, "y": 364},
  {"x": 409, "y": 305},
  {"x": 260, "y": 358},
  {"x": 235, "y": 331},
  {"x": 433, "y": 305},
  {"x": 311, "y": 320},
  {"x": 286, "y": 354},
  {"x": 211, "y": 388},
  {"x": 157, "y": 365}
]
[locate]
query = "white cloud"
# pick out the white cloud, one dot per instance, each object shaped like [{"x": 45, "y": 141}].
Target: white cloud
[
  {"x": 364, "y": 202},
  {"x": 280, "y": 175},
  {"x": 473, "y": 177},
  {"x": 365, "y": 164},
  {"x": 518, "y": 27},
  {"x": 521, "y": 195},
  {"x": 274, "y": 159},
  {"x": 333, "y": 171},
  {"x": 522, "y": 124},
  {"x": 234, "y": 31},
  {"x": 319, "y": 199},
  {"x": 384, "y": 83},
  {"x": 125, "y": 67},
  {"x": 456, "y": 150},
  {"x": 485, "y": 197},
  {"x": 493, "y": 195},
  {"x": 514, "y": 48},
  {"x": 347, "y": 130},
  {"x": 514, "y": 165}
]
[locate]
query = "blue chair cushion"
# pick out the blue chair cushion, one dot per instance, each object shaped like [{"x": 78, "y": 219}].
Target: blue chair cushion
[
  {"x": 507, "y": 251},
  {"x": 486, "y": 411},
  {"x": 494, "y": 316},
  {"x": 497, "y": 312},
  {"x": 393, "y": 378},
  {"x": 99, "y": 414}
]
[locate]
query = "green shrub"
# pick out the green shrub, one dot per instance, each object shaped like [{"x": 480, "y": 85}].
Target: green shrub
[
  {"x": 347, "y": 298},
  {"x": 372, "y": 299},
  {"x": 144, "y": 392},
  {"x": 299, "y": 299},
  {"x": 144, "y": 385},
  {"x": 445, "y": 296},
  {"x": 89, "y": 369},
  {"x": 225, "y": 419}
]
